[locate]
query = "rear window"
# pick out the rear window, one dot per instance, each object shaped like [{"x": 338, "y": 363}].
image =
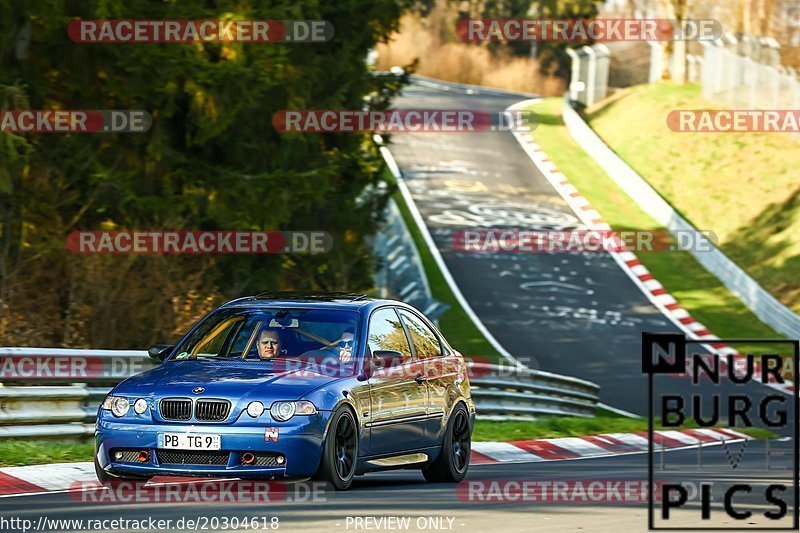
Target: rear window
[
  {"x": 426, "y": 344},
  {"x": 386, "y": 333}
]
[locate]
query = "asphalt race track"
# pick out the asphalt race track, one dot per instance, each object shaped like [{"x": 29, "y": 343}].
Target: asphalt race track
[
  {"x": 573, "y": 314},
  {"x": 405, "y": 494}
]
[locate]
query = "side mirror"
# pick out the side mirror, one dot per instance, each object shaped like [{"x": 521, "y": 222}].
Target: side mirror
[
  {"x": 381, "y": 359},
  {"x": 387, "y": 358},
  {"x": 159, "y": 352}
]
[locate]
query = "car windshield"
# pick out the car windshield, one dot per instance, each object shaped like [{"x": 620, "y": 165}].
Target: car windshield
[{"x": 273, "y": 335}]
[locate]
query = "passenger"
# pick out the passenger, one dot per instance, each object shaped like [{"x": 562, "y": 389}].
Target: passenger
[{"x": 346, "y": 345}]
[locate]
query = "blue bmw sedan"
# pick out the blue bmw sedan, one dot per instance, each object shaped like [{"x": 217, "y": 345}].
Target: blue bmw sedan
[{"x": 275, "y": 386}]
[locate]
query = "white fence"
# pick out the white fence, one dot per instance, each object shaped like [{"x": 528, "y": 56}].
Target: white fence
[
  {"x": 589, "y": 73},
  {"x": 742, "y": 82},
  {"x": 765, "y": 306}
]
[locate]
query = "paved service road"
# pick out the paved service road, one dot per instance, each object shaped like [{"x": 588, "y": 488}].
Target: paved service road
[{"x": 575, "y": 314}]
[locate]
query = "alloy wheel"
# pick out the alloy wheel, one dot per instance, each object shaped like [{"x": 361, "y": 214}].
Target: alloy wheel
[
  {"x": 461, "y": 441},
  {"x": 345, "y": 447}
]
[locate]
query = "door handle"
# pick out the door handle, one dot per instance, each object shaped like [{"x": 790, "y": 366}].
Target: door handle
[{"x": 420, "y": 379}]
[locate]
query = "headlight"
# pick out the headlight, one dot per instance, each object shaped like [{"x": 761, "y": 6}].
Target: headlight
[
  {"x": 117, "y": 404},
  {"x": 283, "y": 411},
  {"x": 255, "y": 409},
  {"x": 140, "y": 406}
]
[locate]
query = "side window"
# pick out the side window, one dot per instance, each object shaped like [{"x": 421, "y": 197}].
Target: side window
[
  {"x": 446, "y": 348},
  {"x": 214, "y": 341},
  {"x": 426, "y": 344},
  {"x": 245, "y": 339},
  {"x": 386, "y": 333}
]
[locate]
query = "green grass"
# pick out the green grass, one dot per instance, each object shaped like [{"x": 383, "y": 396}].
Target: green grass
[
  {"x": 696, "y": 290},
  {"x": 742, "y": 186},
  {"x": 549, "y": 428},
  {"x": 35, "y": 452},
  {"x": 454, "y": 323}
]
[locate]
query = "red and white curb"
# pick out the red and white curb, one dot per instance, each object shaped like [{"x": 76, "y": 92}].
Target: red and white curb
[
  {"x": 64, "y": 477},
  {"x": 605, "y": 445},
  {"x": 43, "y": 478},
  {"x": 626, "y": 259}
]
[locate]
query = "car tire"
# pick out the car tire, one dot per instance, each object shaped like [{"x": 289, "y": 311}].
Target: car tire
[
  {"x": 340, "y": 450},
  {"x": 453, "y": 462},
  {"x": 105, "y": 478}
]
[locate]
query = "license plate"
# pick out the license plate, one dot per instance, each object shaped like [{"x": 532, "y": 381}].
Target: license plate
[{"x": 189, "y": 441}]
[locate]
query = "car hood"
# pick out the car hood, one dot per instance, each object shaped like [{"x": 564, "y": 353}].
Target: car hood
[{"x": 235, "y": 381}]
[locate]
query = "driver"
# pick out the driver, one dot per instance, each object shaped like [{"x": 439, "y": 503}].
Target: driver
[{"x": 269, "y": 343}]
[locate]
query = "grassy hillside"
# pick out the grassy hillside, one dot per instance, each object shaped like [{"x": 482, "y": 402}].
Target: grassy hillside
[{"x": 743, "y": 186}]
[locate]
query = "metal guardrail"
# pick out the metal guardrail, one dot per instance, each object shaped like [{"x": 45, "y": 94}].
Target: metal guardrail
[
  {"x": 503, "y": 392},
  {"x": 401, "y": 274},
  {"x": 56, "y": 392}
]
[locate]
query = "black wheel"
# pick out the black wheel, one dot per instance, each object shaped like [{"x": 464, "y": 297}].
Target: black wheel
[
  {"x": 339, "y": 453},
  {"x": 452, "y": 464}
]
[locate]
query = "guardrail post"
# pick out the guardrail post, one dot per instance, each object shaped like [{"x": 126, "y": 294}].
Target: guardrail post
[{"x": 700, "y": 454}]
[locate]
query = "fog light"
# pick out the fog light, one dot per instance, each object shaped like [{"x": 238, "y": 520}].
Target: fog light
[
  {"x": 255, "y": 409},
  {"x": 118, "y": 455},
  {"x": 140, "y": 406},
  {"x": 280, "y": 460}
]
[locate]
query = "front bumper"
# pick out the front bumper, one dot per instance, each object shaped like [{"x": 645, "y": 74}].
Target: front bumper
[{"x": 299, "y": 441}]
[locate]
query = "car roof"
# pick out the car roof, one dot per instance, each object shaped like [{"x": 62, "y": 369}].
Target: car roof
[{"x": 318, "y": 300}]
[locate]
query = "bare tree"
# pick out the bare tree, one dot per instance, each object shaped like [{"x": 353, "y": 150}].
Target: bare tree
[
  {"x": 679, "y": 11},
  {"x": 765, "y": 14}
]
